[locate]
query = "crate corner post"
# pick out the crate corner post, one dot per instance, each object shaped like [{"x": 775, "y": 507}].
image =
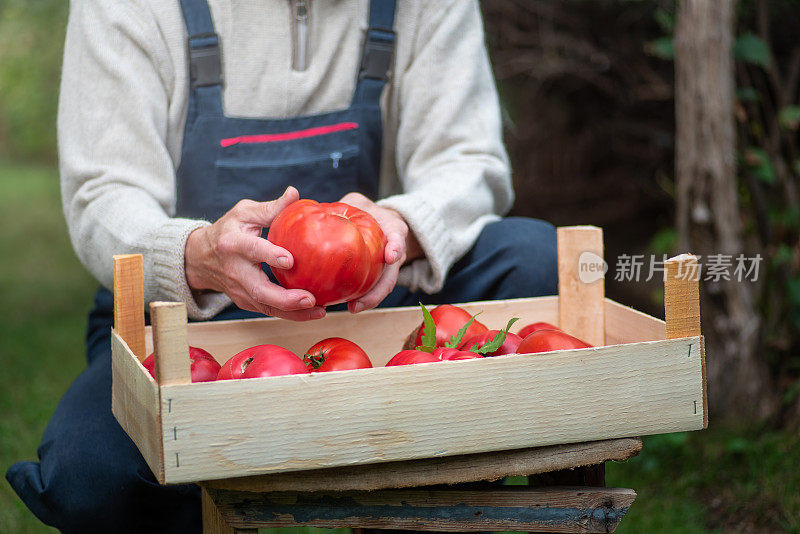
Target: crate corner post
[
  {"x": 129, "y": 301},
  {"x": 581, "y": 279},
  {"x": 682, "y": 308},
  {"x": 170, "y": 343}
]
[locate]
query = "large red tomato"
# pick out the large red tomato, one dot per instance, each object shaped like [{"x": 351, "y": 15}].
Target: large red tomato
[
  {"x": 204, "y": 367},
  {"x": 262, "y": 360},
  {"x": 338, "y": 250},
  {"x": 449, "y": 320},
  {"x": 509, "y": 346},
  {"x": 533, "y": 327},
  {"x": 547, "y": 340},
  {"x": 336, "y": 354}
]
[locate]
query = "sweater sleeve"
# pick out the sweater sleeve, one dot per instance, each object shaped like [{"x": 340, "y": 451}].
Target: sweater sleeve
[
  {"x": 117, "y": 176},
  {"x": 450, "y": 157}
]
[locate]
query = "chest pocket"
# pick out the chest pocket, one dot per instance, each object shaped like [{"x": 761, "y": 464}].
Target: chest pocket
[{"x": 321, "y": 162}]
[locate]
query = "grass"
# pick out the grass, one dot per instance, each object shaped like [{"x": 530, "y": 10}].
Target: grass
[{"x": 725, "y": 479}]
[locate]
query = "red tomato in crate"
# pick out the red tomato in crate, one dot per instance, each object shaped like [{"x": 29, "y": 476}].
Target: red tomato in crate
[
  {"x": 410, "y": 357},
  {"x": 449, "y": 319},
  {"x": 262, "y": 360},
  {"x": 204, "y": 367},
  {"x": 509, "y": 345},
  {"x": 533, "y": 327},
  {"x": 547, "y": 340},
  {"x": 338, "y": 250},
  {"x": 336, "y": 354},
  {"x": 447, "y": 353}
]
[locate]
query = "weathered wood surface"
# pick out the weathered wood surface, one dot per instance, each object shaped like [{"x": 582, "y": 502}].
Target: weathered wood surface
[
  {"x": 517, "y": 508},
  {"x": 172, "y": 363},
  {"x": 487, "y": 466},
  {"x": 213, "y": 522},
  {"x": 129, "y": 301},
  {"x": 257, "y": 426},
  {"x": 581, "y": 290},
  {"x": 135, "y": 404}
]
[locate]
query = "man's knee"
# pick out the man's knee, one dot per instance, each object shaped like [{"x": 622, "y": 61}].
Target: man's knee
[
  {"x": 526, "y": 251},
  {"x": 87, "y": 493}
]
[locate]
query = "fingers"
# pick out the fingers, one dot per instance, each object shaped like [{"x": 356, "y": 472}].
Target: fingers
[
  {"x": 358, "y": 200},
  {"x": 395, "y": 246},
  {"x": 255, "y": 250},
  {"x": 263, "y": 213},
  {"x": 379, "y": 291},
  {"x": 257, "y": 286}
]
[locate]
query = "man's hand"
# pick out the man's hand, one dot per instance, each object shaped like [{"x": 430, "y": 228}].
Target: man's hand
[
  {"x": 401, "y": 246},
  {"x": 227, "y": 257}
]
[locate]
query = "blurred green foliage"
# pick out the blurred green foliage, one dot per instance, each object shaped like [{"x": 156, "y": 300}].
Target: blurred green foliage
[{"x": 31, "y": 46}]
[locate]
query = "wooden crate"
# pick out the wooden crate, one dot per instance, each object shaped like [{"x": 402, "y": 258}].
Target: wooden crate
[{"x": 638, "y": 383}]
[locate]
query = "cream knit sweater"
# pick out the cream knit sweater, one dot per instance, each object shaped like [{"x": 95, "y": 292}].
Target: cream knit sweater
[{"x": 123, "y": 105}]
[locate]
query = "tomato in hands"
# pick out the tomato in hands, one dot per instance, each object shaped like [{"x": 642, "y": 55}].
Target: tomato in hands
[
  {"x": 533, "y": 327},
  {"x": 262, "y": 360},
  {"x": 336, "y": 354},
  {"x": 547, "y": 340},
  {"x": 449, "y": 320},
  {"x": 509, "y": 346},
  {"x": 204, "y": 367},
  {"x": 338, "y": 250}
]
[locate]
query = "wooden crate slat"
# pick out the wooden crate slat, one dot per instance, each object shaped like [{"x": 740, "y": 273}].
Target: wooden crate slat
[
  {"x": 446, "y": 470},
  {"x": 293, "y": 423},
  {"x": 626, "y": 325},
  {"x": 581, "y": 509},
  {"x": 135, "y": 404}
]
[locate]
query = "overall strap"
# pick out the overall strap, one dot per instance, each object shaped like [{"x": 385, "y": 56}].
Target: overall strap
[
  {"x": 205, "y": 61},
  {"x": 378, "y": 52}
]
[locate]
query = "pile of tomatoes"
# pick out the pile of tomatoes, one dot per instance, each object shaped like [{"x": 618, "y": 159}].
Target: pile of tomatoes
[{"x": 446, "y": 333}]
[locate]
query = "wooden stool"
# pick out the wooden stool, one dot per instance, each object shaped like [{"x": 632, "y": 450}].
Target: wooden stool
[{"x": 567, "y": 494}]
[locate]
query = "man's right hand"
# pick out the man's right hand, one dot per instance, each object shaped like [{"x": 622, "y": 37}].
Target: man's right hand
[{"x": 227, "y": 257}]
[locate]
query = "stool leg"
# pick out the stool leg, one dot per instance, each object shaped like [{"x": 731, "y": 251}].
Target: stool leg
[{"x": 214, "y": 523}]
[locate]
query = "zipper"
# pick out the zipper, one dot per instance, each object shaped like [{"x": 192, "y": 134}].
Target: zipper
[
  {"x": 289, "y": 136},
  {"x": 300, "y": 31},
  {"x": 334, "y": 157}
]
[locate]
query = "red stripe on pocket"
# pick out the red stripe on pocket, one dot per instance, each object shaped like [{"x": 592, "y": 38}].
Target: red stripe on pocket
[{"x": 288, "y": 136}]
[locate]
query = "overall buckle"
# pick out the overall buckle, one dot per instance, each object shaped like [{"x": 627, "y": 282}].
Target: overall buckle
[
  {"x": 205, "y": 64},
  {"x": 376, "y": 62}
]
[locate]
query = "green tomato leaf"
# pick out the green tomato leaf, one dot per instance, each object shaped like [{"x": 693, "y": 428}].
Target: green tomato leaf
[
  {"x": 750, "y": 49},
  {"x": 456, "y": 339},
  {"x": 496, "y": 342},
  {"x": 429, "y": 328}
]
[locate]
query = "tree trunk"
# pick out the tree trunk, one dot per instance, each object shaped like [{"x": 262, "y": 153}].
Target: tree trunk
[{"x": 708, "y": 220}]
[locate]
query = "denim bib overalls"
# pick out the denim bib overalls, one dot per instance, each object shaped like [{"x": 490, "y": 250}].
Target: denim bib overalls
[
  {"x": 225, "y": 159},
  {"x": 90, "y": 476}
]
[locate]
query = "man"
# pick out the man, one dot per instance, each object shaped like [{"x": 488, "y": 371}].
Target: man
[{"x": 185, "y": 129}]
